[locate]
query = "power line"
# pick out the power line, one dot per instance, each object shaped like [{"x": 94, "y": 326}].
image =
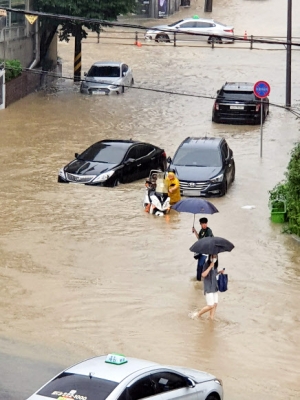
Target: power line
[
  {"x": 162, "y": 91},
  {"x": 141, "y": 27}
]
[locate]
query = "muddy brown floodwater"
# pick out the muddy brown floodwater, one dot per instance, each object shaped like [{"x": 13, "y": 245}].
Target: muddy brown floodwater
[{"x": 84, "y": 271}]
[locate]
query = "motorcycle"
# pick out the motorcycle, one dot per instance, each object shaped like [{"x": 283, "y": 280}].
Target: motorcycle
[{"x": 156, "y": 199}]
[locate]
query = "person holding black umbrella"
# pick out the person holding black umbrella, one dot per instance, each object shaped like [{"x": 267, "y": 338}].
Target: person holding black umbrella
[
  {"x": 204, "y": 232},
  {"x": 210, "y": 284}
]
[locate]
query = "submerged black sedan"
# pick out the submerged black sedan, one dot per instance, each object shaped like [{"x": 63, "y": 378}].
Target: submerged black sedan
[{"x": 110, "y": 162}]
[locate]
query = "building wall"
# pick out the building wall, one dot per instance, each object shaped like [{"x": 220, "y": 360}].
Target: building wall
[
  {"x": 155, "y": 9},
  {"x": 21, "y": 41}
]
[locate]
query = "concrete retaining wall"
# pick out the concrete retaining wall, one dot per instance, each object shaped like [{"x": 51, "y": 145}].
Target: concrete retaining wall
[{"x": 29, "y": 82}]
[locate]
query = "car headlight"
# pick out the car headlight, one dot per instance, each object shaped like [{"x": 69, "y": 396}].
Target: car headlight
[
  {"x": 219, "y": 381},
  {"x": 103, "y": 177},
  {"x": 61, "y": 173},
  {"x": 218, "y": 178}
]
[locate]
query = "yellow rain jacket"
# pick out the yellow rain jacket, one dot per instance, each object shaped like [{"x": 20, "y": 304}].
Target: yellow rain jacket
[{"x": 175, "y": 186}]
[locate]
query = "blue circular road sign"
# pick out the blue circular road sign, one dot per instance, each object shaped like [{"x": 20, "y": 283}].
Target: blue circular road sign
[{"x": 261, "y": 89}]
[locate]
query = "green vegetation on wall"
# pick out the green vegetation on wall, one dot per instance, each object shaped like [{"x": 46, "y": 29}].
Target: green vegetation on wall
[
  {"x": 13, "y": 68},
  {"x": 289, "y": 190}
]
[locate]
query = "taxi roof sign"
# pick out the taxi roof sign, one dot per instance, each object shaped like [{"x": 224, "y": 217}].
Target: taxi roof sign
[{"x": 116, "y": 359}]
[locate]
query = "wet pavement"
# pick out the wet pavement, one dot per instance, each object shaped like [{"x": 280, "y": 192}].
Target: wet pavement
[{"x": 84, "y": 271}]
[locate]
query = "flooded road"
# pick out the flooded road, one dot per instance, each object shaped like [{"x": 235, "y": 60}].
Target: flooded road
[{"x": 84, "y": 271}]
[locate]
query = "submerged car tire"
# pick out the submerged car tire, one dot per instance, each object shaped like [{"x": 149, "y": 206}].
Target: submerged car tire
[
  {"x": 217, "y": 39},
  {"x": 212, "y": 397},
  {"x": 162, "y": 38},
  {"x": 224, "y": 189},
  {"x": 233, "y": 174}
]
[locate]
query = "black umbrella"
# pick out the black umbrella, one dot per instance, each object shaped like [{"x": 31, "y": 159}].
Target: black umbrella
[
  {"x": 195, "y": 206},
  {"x": 211, "y": 245}
]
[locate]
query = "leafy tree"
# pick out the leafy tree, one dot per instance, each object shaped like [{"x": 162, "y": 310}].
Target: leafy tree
[{"x": 93, "y": 9}]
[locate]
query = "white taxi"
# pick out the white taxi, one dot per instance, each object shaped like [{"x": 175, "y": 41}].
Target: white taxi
[{"x": 115, "y": 377}]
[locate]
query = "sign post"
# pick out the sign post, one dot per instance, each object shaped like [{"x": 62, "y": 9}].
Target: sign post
[{"x": 261, "y": 90}]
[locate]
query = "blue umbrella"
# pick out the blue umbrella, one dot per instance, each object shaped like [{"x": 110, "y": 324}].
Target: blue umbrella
[{"x": 195, "y": 206}]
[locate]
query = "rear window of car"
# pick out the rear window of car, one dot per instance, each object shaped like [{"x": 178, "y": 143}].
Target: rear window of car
[
  {"x": 78, "y": 387},
  {"x": 193, "y": 156},
  {"x": 104, "y": 153},
  {"x": 104, "y": 72},
  {"x": 237, "y": 94}
]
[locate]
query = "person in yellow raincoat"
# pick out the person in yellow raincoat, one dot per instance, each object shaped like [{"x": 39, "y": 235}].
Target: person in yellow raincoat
[{"x": 173, "y": 188}]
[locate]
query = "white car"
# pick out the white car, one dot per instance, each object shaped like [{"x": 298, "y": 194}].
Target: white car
[
  {"x": 192, "y": 29},
  {"x": 107, "y": 77},
  {"x": 115, "y": 377}
]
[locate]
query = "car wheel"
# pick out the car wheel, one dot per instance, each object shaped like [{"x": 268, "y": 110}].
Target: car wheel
[
  {"x": 116, "y": 183},
  {"x": 212, "y": 397},
  {"x": 233, "y": 173},
  {"x": 162, "y": 38},
  {"x": 224, "y": 189},
  {"x": 218, "y": 40}
]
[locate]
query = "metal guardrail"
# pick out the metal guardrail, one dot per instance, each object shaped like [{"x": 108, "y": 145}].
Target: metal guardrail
[
  {"x": 138, "y": 37},
  {"x": 12, "y": 33}
]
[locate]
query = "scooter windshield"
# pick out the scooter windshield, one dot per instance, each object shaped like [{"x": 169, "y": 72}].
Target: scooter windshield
[{"x": 161, "y": 185}]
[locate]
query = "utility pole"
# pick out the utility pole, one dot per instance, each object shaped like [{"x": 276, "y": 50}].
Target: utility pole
[{"x": 288, "y": 55}]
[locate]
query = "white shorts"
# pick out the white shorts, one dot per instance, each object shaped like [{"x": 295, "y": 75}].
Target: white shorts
[{"x": 212, "y": 298}]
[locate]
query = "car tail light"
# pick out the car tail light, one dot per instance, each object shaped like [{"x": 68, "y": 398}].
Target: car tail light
[
  {"x": 164, "y": 155},
  {"x": 228, "y": 30},
  {"x": 216, "y": 106},
  {"x": 257, "y": 108}
]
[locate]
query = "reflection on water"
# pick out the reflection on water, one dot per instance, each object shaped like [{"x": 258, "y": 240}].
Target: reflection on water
[{"x": 86, "y": 270}]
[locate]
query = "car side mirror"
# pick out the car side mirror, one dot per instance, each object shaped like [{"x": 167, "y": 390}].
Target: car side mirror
[
  {"x": 190, "y": 382},
  {"x": 76, "y": 155},
  {"x": 169, "y": 159},
  {"x": 218, "y": 91},
  {"x": 129, "y": 161}
]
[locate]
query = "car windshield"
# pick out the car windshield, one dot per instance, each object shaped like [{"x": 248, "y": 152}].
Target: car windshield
[
  {"x": 104, "y": 153},
  {"x": 75, "y": 386},
  {"x": 105, "y": 71},
  {"x": 175, "y": 23},
  {"x": 237, "y": 95},
  {"x": 197, "y": 157}
]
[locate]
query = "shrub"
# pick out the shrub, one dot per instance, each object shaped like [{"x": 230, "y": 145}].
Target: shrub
[
  {"x": 289, "y": 190},
  {"x": 13, "y": 68}
]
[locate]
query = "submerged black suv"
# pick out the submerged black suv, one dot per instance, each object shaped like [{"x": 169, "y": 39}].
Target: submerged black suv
[
  {"x": 237, "y": 103},
  {"x": 204, "y": 166}
]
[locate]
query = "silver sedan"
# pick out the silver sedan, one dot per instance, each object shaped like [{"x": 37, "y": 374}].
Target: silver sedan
[
  {"x": 107, "y": 77},
  {"x": 191, "y": 29},
  {"x": 115, "y": 377}
]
